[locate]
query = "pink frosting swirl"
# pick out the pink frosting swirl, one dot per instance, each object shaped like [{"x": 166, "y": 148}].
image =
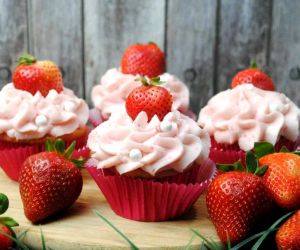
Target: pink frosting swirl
[
  {"x": 247, "y": 114},
  {"x": 174, "y": 143},
  {"x": 115, "y": 86},
  {"x": 27, "y": 116}
]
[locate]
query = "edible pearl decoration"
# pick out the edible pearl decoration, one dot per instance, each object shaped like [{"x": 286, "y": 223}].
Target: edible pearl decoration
[
  {"x": 69, "y": 106},
  {"x": 135, "y": 154},
  {"x": 41, "y": 120},
  {"x": 166, "y": 126}
]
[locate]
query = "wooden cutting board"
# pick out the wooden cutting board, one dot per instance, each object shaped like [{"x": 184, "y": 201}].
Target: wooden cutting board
[{"x": 80, "y": 228}]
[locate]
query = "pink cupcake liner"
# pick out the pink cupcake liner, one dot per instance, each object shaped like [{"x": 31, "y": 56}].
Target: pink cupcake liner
[
  {"x": 153, "y": 200},
  {"x": 12, "y": 155},
  {"x": 227, "y": 154},
  {"x": 95, "y": 117}
]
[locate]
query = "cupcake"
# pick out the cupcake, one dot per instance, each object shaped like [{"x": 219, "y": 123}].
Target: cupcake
[
  {"x": 34, "y": 108},
  {"x": 237, "y": 118},
  {"x": 150, "y": 163},
  {"x": 116, "y": 84}
]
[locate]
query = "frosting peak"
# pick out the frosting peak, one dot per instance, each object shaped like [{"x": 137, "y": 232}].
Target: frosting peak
[
  {"x": 115, "y": 86},
  {"x": 27, "y": 116},
  {"x": 246, "y": 114},
  {"x": 127, "y": 145}
]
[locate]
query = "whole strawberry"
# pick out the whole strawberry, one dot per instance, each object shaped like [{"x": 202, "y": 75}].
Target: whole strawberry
[
  {"x": 282, "y": 178},
  {"x": 143, "y": 59},
  {"x": 236, "y": 201},
  {"x": 50, "y": 182},
  {"x": 288, "y": 235},
  {"x": 32, "y": 75},
  {"x": 254, "y": 76},
  {"x": 150, "y": 98},
  {"x": 5, "y": 225}
]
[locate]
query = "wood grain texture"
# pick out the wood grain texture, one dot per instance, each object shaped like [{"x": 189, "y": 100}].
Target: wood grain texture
[
  {"x": 243, "y": 35},
  {"x": 190, "y": 46},
  {"x": 112, "y": 25},
  {"x": 80, "y": 229},
  {"x": 285, "y": 48},
  {"x": 13, "y": 36},
  {"x": 56, "y": 33}
]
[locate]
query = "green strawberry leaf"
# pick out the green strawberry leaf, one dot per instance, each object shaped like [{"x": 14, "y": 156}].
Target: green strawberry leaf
[
  {"x": 4, "y": 203},
  {"x": 7, "y": 221},
  {"x": 253, "y": 64},
  {"x": 69, "y": 151},
  {"x": 237, "y": 166},
  {"x": 59, "y": 146},
  {"x": 260, "y": 171},
  {"x": 296, "y": 153},
  {"x": 284, "y": 149},
  {"x": 251, "y": 162},
  {"x": 208, "y": 243},
  {"x": 49, "y": 146},
  {"x": 263, "y": 148}
]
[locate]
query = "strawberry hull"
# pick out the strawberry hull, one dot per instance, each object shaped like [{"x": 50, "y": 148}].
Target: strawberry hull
[
  {"x": 227, "y": 154},
  {"x": 12, "y": 155},
  {"x": 153, "y": 200}
]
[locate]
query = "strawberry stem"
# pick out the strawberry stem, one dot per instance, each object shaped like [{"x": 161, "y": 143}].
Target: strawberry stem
[
  {"x": 26, "y": 59},
  {"x": 253, "y": 64},
  {"x": 155, "y": 81},
  {"x": 58, "y": 146}
]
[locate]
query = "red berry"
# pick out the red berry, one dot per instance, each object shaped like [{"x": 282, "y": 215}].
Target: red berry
[
  {"x": 254, "y": 76},
  {"x": 283, "y": 178},
  {"x": 32, "y": 76},
  {"x": 143, "y": 59},
  {"x": 235, "y": 202},
  {"x": 49, "y": 184},
  {"x": 5, "y": 242},
  {"x": 288, "y": 235},
  {"x": 153, "y": 100}
]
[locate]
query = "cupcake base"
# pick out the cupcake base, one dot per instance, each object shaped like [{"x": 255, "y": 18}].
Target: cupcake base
[
  {"x": 227, "y": 154},
  {"x": 153, "y": 200},
  {"x": 12, "y": 155}
]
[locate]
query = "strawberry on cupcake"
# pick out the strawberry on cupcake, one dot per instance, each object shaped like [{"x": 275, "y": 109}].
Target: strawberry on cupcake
[
  {"x": 149, "y": 155},
  {"x": 139, "y": 60},
  {"x": 249, "y": 112},
  {"x": 36, "y": 107}
]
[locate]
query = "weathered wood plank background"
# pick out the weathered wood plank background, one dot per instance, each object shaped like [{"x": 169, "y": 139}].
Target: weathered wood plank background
[{"x": 206, "y": 41}]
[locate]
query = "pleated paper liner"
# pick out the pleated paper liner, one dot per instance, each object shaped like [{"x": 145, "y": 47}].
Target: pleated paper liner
[
  {"x": 153, "y": 200},
  {"x": 227, "y": 154},
  {"x": 96, "y": 118},
  {"x": 12, "y": 155}
]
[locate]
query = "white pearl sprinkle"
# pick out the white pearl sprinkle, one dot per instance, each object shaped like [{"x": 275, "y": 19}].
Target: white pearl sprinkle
[
  {"x": 69, "y": 106},
  {"x": 166, "y": 126},
  {"x": 41, "y": 120},
  {"x": 135, "y": 154}
]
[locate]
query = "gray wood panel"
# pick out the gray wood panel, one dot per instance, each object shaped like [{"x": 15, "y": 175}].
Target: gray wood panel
[
  {"x": 243, "y": 35},
  {"x": 191, "y": 30},
  {"x": 285, "y": 48},
  {"x": 56, "y": 34},
  {"x": 13, "y": 36},
  {"x": 110, "y": 26}
]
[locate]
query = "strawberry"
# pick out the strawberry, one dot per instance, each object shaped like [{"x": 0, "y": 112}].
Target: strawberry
[
  {"x": 143, "y": 59},
  {"x": 150, "y": 98},
  {"x": 5, "y": 242},
  {"x": 32, "y": 75},
  {"x": 288, "y": 235},
  {"x": 237, "y": 200},
  {"x": 50, "y": 182},
  {"x": 282, "y": 178},
  {"x": 5, "y": 225},
  {"x": 254, "y": 76}
]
